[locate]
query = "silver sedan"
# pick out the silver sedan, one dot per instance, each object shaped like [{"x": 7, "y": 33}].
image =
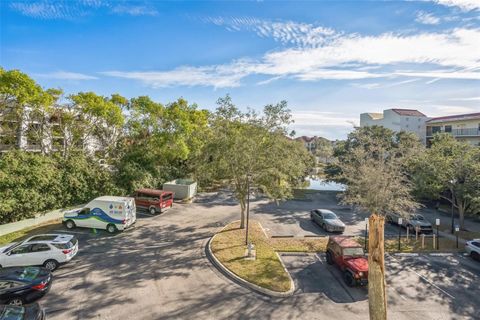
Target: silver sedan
[{"x": 328, "y": 220}]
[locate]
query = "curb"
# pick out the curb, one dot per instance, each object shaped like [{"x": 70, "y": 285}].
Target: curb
[{"x": 244, "y": 282}]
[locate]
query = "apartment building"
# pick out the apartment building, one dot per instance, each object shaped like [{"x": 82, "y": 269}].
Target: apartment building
[
  {"x": 409, "y": 120},
  {"x": 464, "y": 127},
  {"x": 308, "y": 142},
  {"x": 34, "y": 134}
]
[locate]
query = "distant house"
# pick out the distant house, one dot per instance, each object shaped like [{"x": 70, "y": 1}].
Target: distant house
[
  {"x": 408, "y": 120},
  {"x": 308, "y": 142},
  {"x": 464, "y": 127}
]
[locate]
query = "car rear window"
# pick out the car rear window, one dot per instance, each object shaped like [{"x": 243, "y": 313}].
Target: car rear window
[
  {"x": 28, "y": 273},
  {"x": 12, "y": 313}
]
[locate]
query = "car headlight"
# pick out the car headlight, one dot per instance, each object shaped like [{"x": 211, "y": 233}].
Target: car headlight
[{"x": 360, "y": 274}]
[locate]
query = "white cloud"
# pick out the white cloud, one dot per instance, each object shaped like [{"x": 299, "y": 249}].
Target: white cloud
[
  {"x": 464, "y": 5},
  {"x": 467, "y": 99},
  {"x": 135, "y": 10},
  {"x": 286, "y": 32},
  {"x": 344, "y": 57},
  {"x": 334, "y": 119},
  {"x": 448, "y": 110},
  {"x": 64, "y": 9},
  {"x": 63, "y": 75},
  {"x": 427, "y": 18}
]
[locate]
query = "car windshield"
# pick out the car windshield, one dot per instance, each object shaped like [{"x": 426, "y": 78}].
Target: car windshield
[
  {"x": 329, "y": 215},
  {"x": 10, "y": 247},
  {"x": 12, "y": 313},
  {"x": 417, "y": 217},
  {"x": 353, "y": 252}
]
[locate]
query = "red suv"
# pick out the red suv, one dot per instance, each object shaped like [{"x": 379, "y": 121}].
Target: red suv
[
  {"x": 155, "y": 201},
  {"x": 348, "y": 255}
]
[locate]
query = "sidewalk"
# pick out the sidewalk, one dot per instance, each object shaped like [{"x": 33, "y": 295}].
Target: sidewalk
[{"x": 445, "y": 222}]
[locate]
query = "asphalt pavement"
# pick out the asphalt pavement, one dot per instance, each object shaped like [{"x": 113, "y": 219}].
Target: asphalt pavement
[{"x": 159, "y": 270}]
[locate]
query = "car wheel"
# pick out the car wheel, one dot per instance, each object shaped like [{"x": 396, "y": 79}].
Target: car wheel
[
  {"x": 329, "y": 257},
  {"x": 475, "y": 255},
  {"x": 51, "y": 265},
  {"x": 70, "y": 224},
  {"x": 152, "y": 210},
  {"x": 324, "y": 227},
  {"x": 16, "y": 302},
  {"x": 111, "y": 228},
  {"x": 349, "y": 279}
]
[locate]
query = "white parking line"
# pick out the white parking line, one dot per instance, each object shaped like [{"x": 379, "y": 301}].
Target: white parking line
[{"x": 426, "y": 280}]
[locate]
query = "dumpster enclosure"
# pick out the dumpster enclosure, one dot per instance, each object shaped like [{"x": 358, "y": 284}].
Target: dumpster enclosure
[{"x": 183, "y": 188}]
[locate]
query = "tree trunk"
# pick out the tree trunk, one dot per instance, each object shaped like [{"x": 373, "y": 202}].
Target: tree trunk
[
  {"x": 242, "y": 213},
  {"x": 377, "y": 301}
]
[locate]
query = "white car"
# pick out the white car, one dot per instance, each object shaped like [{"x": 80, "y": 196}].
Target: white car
[
  {"x": 473, "y": 248},
  {"x": 49, "y": 250}
]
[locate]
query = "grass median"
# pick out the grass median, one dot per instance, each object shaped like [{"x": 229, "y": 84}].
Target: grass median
[
  {"x": 266, "y": 271},
  {"x": 45, "y": 227}
]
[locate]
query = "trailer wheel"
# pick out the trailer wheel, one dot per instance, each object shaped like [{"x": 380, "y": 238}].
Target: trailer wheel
[{"x": 152, "y": 210}]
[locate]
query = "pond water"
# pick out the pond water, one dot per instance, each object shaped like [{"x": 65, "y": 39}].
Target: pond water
[{"x": 320, "y": 184}]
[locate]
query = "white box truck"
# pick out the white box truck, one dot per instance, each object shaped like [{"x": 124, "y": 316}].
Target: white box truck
[{"x": 107, "y": 212}]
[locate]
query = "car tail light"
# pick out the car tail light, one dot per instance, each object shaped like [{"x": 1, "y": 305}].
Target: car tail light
[
  {"x": 40, "y": 286},
  {"x": 67, "y": 251}
]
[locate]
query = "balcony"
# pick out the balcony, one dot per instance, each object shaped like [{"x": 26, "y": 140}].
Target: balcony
[{"x": 466, "y": 132}]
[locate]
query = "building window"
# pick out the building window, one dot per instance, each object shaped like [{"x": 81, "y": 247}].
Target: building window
[
  {"x": 436, "y": 129},
  {"x": 448, "y": 128}
]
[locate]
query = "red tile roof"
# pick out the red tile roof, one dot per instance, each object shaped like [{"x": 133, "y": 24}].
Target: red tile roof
[
  {"x": 467, "y": 116},
  {"x": 409, "y": 112}
]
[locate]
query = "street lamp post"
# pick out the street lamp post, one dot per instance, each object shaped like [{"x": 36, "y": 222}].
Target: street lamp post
[
  {"x": 453, "y": 206},
  {"x": 248, "y": 207},
  {"x": 400, "y": 221}
]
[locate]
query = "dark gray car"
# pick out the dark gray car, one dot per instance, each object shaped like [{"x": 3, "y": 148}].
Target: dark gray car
[{"x": 328, "y": 220}]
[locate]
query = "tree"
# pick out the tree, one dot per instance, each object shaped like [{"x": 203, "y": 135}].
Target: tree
[
  {"x": 160, "y": 141},
  {"x": 449, "y": 170},
  {"x": 25, "y": 108},
  {"x": 324, "y": 149},
  {"x": 95, "y": 117},
  {"x": 247, "y": 144},
  {"x": 373, "y": 166}
]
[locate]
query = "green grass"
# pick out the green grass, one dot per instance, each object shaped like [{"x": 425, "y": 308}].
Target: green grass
[
  {"x": 411, "y": 245},
  {"x": 43, "y": 228},
  {"x": 267, "y": 270}
]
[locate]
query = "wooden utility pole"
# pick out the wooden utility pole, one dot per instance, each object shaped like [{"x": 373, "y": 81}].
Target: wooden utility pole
[{"x": 377, "y": 301}]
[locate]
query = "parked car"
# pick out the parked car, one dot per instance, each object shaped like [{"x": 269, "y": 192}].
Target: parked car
[
  {"x": 411, "y": 222},
  {"x": 48, "y": 250},
  {"x": 155, "y": 201},
  {"x": 108, "y": 212},
  {"x": 29, "y": 312},
  {"x": 349, "y": 256},
  {"x": 327, "y": 220},
  {"x": 473, "y": 248},
  {"x": 21, "y": 285}
]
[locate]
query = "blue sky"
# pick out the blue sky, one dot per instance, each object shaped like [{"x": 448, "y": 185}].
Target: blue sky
[{"x": 331, "y": 60}]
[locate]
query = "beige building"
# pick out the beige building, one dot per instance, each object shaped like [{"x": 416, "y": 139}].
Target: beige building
[
  {"x": 408, "y": 120},
  {"x": 464, "y": 127}
]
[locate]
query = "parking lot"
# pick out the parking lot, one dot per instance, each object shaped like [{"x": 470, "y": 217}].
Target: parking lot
[
  {"x": 292, "y": 218},
  {"x": 159, "y": 270}
]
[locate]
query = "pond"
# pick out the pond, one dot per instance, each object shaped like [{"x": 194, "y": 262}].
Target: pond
[{"x": 321, "y": 184}]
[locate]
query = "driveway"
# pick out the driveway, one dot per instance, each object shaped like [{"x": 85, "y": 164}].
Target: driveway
[{"x": 158, "y": 270}]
